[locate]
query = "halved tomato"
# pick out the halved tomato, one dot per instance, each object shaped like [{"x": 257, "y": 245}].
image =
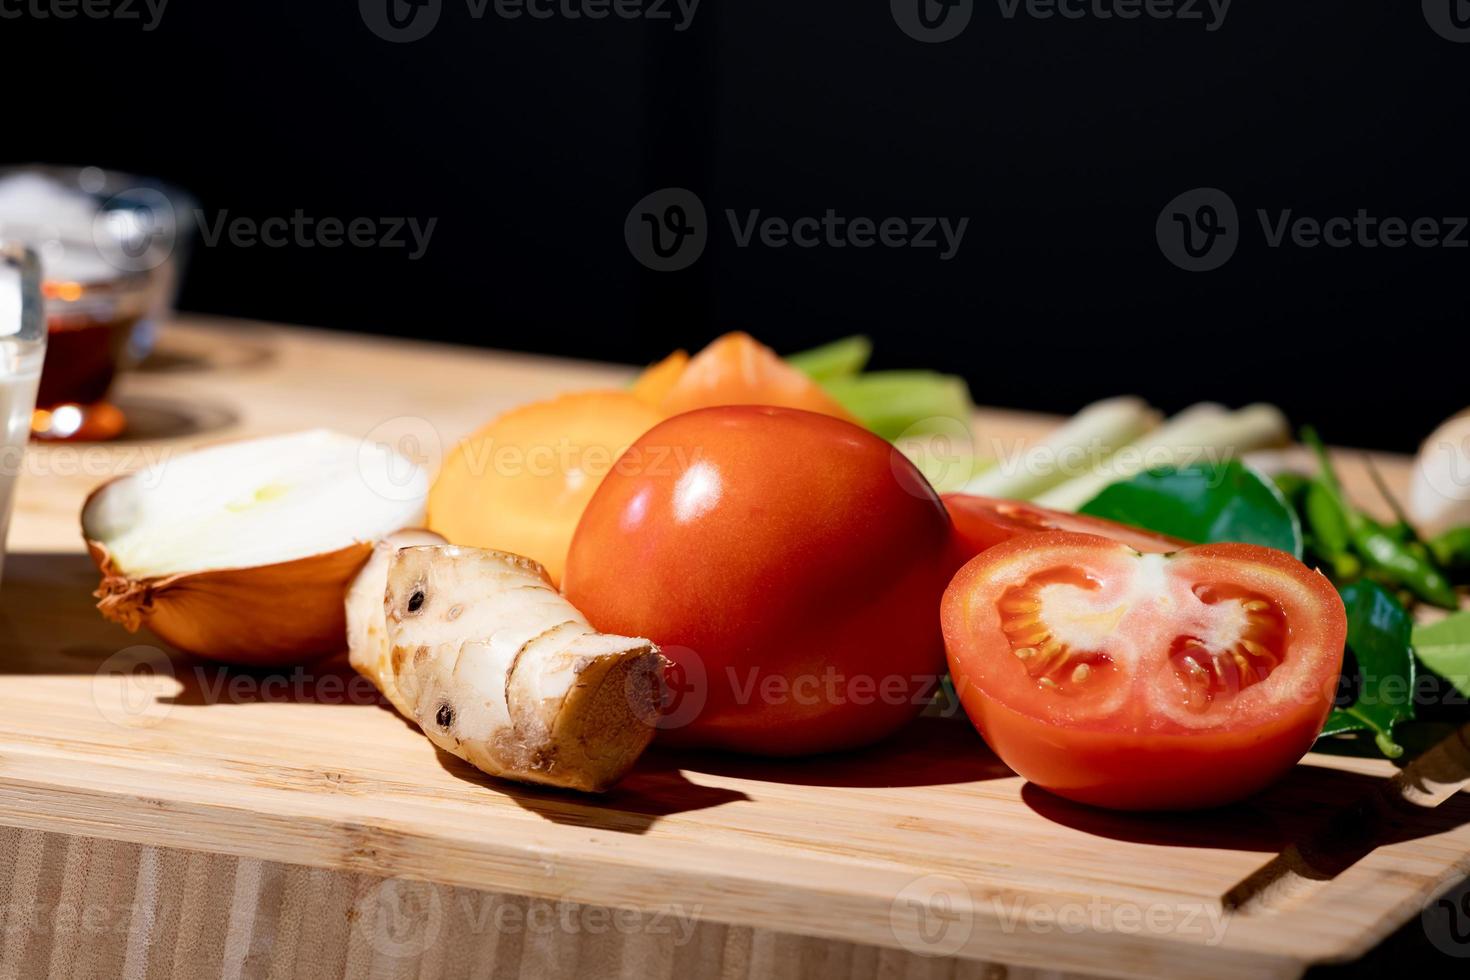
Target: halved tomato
[
  {"x": 984, "y": 522},
  {"x": 1144, "y": 681}
]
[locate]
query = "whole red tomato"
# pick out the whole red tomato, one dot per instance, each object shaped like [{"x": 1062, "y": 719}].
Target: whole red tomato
[{"x": 789, "y": 564}]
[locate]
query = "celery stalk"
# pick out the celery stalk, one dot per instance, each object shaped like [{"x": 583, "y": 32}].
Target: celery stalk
[
  {"x": 1202, "y": 434},
  {"x": 1091, "y": 434},
  {"x": 897, "y": 403},
  {"x": 839, "y": 359},
  {"x": 947, "y": 460}
]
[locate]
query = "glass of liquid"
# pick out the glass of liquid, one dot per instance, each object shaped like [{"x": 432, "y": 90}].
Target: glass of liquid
[
  {"x": 111, "y": 247},
  {"x": 22, "y": 347},
  {"x": 92, "y": 309}
]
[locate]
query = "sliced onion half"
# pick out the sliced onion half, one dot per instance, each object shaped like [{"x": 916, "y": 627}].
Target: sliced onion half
[{"x": 244, "y": 552}]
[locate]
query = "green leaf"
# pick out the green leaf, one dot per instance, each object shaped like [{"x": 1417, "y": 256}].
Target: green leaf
[
  {"x": 1444, "y": 647},
  {"x": 1204, "y": 503},
  {"x": 838, "y": 359},
  {"x": 897, "y": 403},
  {"x": 1379, "y": 636}
]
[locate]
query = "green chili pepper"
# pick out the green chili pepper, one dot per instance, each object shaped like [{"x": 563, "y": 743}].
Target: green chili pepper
[
  {"x": 1414, "y": 571},
  {"x": 1380, "y": 550},
  {"x": 1324, "y": 512},
  {"x": 1400, "y": 531},
  {"x": 1292, "y": 486},
  {"x": 1452, "y": 550},
  {"x": 1330, "y": 535}
]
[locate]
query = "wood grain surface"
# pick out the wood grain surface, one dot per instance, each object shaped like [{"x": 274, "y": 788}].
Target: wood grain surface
[
  {"x": 924, "y": 853},
  {"x": 86, "y": 908}
]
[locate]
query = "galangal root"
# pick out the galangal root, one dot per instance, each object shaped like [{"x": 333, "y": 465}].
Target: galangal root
[{"x": 497, "y": 668}]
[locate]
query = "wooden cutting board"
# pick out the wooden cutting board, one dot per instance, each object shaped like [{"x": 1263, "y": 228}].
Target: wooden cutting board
[{"x": 218, "y": 822}]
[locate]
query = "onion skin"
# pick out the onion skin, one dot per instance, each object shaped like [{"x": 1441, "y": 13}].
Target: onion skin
[
  {"x": 274, "y": 615},
  {"x": 267, "y": 616},
  {"x": 282, "y": 613}
]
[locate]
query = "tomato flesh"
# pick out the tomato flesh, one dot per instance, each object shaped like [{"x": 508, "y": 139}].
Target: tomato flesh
[
  {"x": 984, "y": 522},
  {"x": 1144, "y": 681}
]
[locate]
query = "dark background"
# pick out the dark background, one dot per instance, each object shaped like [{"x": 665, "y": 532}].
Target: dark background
[{"x": 1061, "y": 140}]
